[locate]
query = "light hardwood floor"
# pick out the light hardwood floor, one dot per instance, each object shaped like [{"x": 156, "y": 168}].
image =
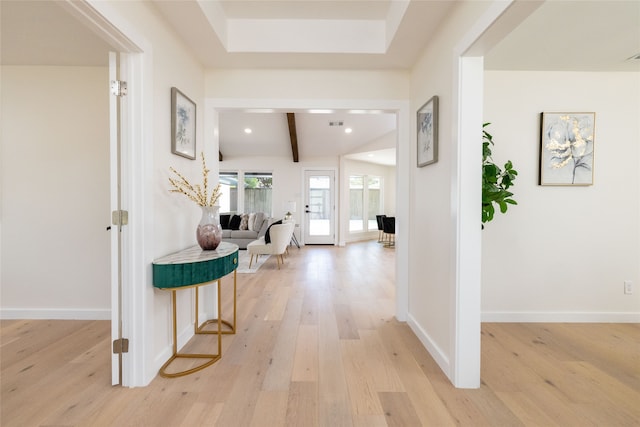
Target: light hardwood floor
[{"x": 317, "y": 345}]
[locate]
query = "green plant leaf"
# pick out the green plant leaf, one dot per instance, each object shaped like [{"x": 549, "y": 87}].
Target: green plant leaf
[{"x": 495, "y": 182}]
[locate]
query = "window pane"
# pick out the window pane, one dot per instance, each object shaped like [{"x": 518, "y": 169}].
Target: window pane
[
  {"x": 356, "y": 203},
  {"x": 374, "y": 201},
  {"x": 319, "y": 182},
  {"x": 257, "y": 192},
  {"x": 320, "y": 205},
  {"x": 229, "y": 187}
]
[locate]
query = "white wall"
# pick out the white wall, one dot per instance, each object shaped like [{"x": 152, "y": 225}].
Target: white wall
[
  {"x": 170, "y": 220},
  {"x": 272, "y": 85},
  {"x": 433, "y": 294},
  {"x": 563, "y": 253},
  {"x": 55, "y": 192}
]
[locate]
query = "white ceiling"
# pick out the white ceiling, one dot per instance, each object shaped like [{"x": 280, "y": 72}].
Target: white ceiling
[
  {"x": 319, "y": 134},
  {"x": 44, "y": 33},
  {"x": 316, "y": 34},
  {"x": 328, "y": 34},
  {"x": 573, "y": 36}
]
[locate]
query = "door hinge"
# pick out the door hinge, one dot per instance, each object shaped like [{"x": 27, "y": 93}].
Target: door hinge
[
  {"x": 120, "y": 217},
  {"x": 121, "y": 346},
  {"x": 118, "y": 88}
]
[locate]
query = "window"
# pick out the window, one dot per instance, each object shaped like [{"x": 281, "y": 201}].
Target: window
[
  {"x": 229, "y": 187},
  {"x": 374, "y": 201},
  {"x": 253, "y": 196},
  {"x": 258, "y": 189},
  {"x": 365, "y": 198},
  {"x": 356, "y": 203}
]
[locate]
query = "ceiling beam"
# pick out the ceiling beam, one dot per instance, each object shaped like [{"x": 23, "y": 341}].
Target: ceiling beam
[{"x": 293, "y": 135}]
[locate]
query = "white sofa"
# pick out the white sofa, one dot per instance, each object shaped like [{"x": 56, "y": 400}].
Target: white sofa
[{"x": 242, "y": 237}]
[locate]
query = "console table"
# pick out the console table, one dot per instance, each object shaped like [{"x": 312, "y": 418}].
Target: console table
[{"x": 192, "y": 268}]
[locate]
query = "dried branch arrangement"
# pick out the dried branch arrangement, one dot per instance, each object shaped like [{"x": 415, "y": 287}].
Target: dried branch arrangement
[{"x": 196, "y": 193}]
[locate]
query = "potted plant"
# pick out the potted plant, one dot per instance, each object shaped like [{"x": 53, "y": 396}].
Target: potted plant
[{"x": 495, "y": 181}]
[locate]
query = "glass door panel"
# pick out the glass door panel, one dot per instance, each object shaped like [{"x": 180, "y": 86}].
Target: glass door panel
[{"x": 319, "y": 207}]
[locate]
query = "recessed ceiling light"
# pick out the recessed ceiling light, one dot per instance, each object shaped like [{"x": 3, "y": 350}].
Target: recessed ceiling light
[
  {"x": 348, "y": 130},
  {"x": 247, "y": 130},
  {"x": 318, "y": 111},
  {"x": 369, "y": 155}
]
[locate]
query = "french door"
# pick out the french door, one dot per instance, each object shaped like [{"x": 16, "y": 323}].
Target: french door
[{"x": 319, "y": 209}]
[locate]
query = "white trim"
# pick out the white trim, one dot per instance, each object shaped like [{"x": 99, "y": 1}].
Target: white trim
[
  {"x": 497, "y": 21},
  {"x": 436, "y": 352},
  {"x": 55, "y": 314},
  {"x": 560, "y": 317},
  {"x": 183, "y": 338},
  {"x": 137, "y": 165},
  {"x": 466, "y": 197},
  {"x": 336, "y": 204},
  {"x": 103, "y": 21},
  {"x": 403, "y": 208},
  {"x": 114, "y": 233}
]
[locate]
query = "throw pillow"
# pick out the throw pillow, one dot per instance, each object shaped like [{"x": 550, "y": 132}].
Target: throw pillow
[
  {"x": 244, "y": 222},
  {"x": 257, "y": 224},
  {"x": 265, "y": 225},
  {"x": 267, "y": 237},
  {"x": 252, "y": 221},
  {"x": 234, "y": 222},
  {"x": 224, "y": 221}
]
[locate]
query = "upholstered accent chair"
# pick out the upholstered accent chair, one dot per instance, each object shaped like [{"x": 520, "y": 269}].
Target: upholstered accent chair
[{"x": 279, "y": 239}]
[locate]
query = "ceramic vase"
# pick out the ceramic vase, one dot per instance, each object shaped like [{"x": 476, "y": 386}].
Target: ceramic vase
[{"x": 209, "y": 233}]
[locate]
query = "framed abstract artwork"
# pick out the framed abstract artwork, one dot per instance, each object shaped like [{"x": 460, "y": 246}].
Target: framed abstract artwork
[
  {"x": 427, "y": 143},
  {"x": 566, "y": 148},
  {"x": 183, "y": 125}
]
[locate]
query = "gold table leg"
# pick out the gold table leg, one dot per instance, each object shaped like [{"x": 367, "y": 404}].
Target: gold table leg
[
  {"x": 210, "y": 359},
  {"x": 232, "y": 326}
]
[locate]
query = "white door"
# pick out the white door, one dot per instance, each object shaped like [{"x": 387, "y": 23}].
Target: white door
[
  {"x": 116, "y": 230},
  {"x": 319, "y": 209}
]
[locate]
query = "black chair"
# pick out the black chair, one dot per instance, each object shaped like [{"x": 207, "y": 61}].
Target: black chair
[
  {"x": 389, "y": 229},
  {"x": 380, "y": 228}
]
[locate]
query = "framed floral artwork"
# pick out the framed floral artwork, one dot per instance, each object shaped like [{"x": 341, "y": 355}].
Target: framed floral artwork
[
  {"x": 427, "y": 121},
  {"x": 183, "y": 125},
  {"x": 566, "y": 148}
]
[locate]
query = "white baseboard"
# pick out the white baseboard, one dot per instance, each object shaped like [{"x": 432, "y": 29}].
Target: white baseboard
[
  {"x": 55, "y": 314},
  {"x": 559, "y": 317},
  {"x": 183, "y": 337},
  {"x": 438, "y": 355}
]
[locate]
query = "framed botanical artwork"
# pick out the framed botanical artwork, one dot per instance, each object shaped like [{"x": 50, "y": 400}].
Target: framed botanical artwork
[
  {"x": 183, "y": 125},
  {"x": 566, "y": 148},
  {"x": 427, "y": 120}
]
